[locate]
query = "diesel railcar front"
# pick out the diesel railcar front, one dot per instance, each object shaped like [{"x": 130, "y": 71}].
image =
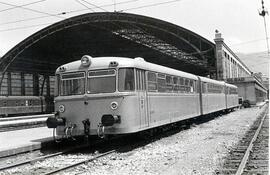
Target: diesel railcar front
[{"x": 112, "y": 95}]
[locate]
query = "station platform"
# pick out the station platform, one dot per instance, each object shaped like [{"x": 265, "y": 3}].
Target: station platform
[
  {"x": 19, "y": 141},
  {"x": 23, "y": 121}
]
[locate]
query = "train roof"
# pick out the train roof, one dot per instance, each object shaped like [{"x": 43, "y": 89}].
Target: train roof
[
  {"x": 104, "y": 62},
  {"x": 208, "y": 80},
  {"x": 231, "y": 85}
]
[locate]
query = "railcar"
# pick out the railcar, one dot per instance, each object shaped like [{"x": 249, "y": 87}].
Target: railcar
[
  {"x": 112, "y": 95},
  {"x": 14, "y": 105},
  {"x": 213, "y": 95},
  {"x": 231, "y": 96}
]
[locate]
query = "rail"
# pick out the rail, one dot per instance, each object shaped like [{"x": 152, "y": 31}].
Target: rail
[
  {"x": 79, "y": 163},
  {"x": 248, "y": 150}
]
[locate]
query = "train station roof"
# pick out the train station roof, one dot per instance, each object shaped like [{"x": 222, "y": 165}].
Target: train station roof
[{"x": 111, "y": 34}]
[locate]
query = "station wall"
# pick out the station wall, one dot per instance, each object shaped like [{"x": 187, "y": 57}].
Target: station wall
[{"x": 26, "y": 84}]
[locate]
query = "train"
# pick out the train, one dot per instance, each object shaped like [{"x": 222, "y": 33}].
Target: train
[
  {"x": 102, "y": 96},
  {"x": 17, "y": 105}
]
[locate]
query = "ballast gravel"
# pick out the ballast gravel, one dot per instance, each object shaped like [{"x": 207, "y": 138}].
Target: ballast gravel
[{"x": 198, "y": 150}]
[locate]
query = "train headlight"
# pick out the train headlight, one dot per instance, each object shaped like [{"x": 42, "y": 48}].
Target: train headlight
[
  {"x": 114, "y": 105},
  {"x": 86, "y": 60},
  {"x": 61, "y": 108}
]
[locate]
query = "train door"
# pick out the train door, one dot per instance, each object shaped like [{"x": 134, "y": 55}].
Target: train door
[
  {"x": 199, "y": 90},
  {"x": 205, "y": 97},
  {"x": 226, "y": 96},
  {"x": 142, "y": 97}
]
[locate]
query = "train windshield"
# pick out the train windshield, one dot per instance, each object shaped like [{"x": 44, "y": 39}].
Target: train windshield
[
  {"x": 101, "y": 81},
  {"x": 72, "y": 84},
  {"x": 126, "y": 79}
]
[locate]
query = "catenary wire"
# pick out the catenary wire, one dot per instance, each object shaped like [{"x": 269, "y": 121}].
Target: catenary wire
[
  {"x": 68, "y": 12},
  {"x": 145, "y": 6},
  {"x": 29, "y": 9},
  {"x": 95, "y": 5},
  {"x": 78, "y": 1},
  {"x": 149, "y": 5},
  {"x": 22, "y": 5},
  {"x": 247, "y": 42}
]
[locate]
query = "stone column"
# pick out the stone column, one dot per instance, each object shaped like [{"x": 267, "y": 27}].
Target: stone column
[{"x": 221, "y": 74}]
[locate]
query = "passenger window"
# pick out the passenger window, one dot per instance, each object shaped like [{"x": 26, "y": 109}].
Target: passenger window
[
  {"x": 169, "y": 83},
  {"x": 138, "y": 80},
  {"x": 126, "y": 79},
  {"x": 195, "y": 84},
  {"x": 152, "y": 81},
  {"x": 181, "y": 81},
  {"x": 204, "y": 85},
  {"x": 161, "y": 83},
  {"x": 175, "y": 80},
  {"x": 186, "y": 82},
  {"x": 176, "y": 84},
  {"x": 191, "y": 86}
]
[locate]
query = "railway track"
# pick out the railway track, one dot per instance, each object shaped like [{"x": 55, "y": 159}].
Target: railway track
[
  {"x": 59, "y": 161},
  {"x": 36, "y": 159},
  {"x": 63, "y": 160},
  {"x": 250, "y": 156},
  {"x": 68, "y": 166}
]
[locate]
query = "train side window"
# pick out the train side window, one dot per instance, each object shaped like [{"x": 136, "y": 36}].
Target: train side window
[
  {"x": 181, "y": 85},
  {"x": 152, "y": 81},
  {"x": 196, "y": 86},
  {"x": 126, "y": 79},
  {"x": 161, "y": 83},
  {"x": 187, "y": 87},
  {"x": 138, "y": 80},
  {"x": 142, "y": 72},
  {"x": 191, "y": 86},
  {"x": 175, "y": 84},
  {"x": 181, "y": 81},
  {"x": 186, "y": 82},
  {"x": 169, "y": 83},
  {"x": 204, "y": 86}
]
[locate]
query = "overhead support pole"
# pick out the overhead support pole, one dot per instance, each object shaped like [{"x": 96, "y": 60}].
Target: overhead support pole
[
  {"x": 262, "y": 13},
  {"x": 22, "y": 84},
  {"x": 9, "y": 84},
  {"x": 36, "y": 85}
]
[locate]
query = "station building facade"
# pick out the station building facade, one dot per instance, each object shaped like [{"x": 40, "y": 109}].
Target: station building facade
[{"x": 232, "y": 70}]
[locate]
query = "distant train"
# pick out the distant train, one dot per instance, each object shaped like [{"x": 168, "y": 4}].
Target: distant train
[
  {"x": 17, "y": 105},
  {"x": 112, "y": 95}
]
